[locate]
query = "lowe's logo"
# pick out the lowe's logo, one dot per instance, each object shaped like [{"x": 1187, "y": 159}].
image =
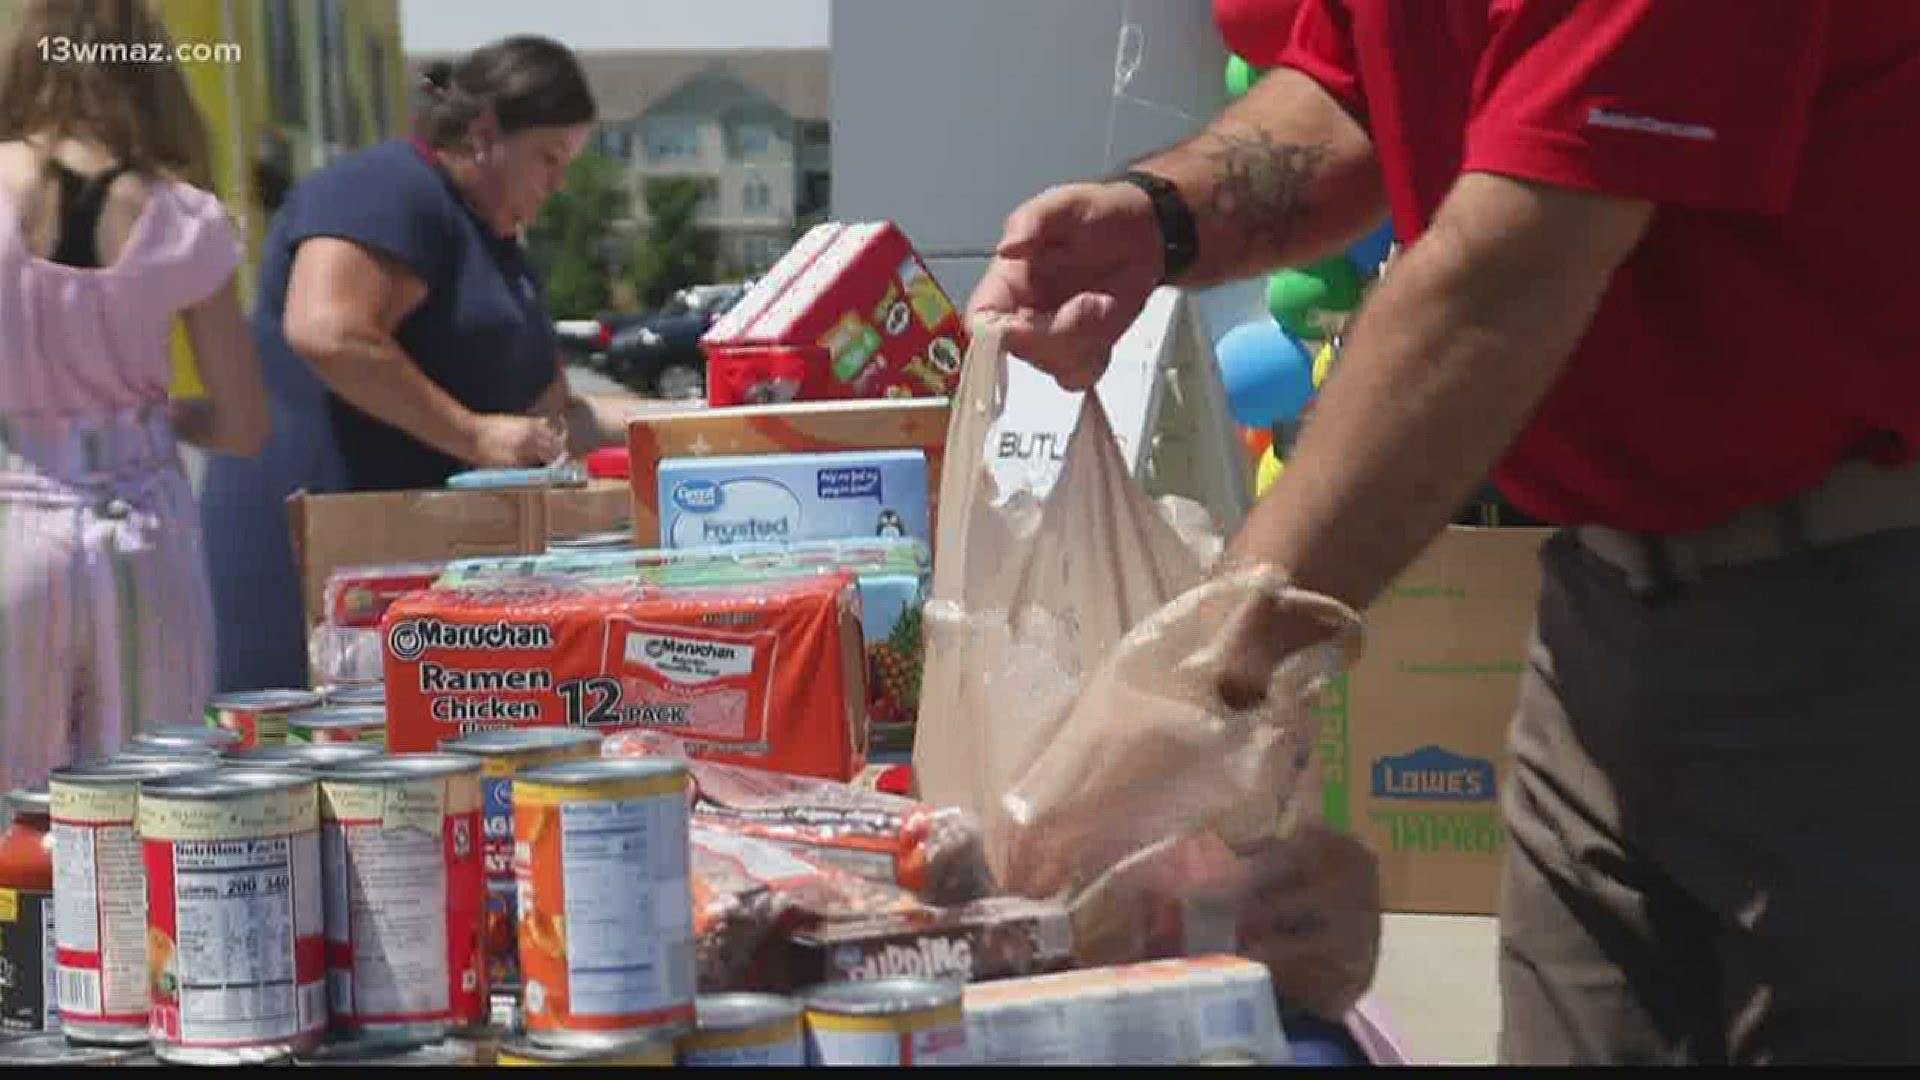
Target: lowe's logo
[
  {"x": 698, "y": 496},
  {"x": 1434, "y": 773}
]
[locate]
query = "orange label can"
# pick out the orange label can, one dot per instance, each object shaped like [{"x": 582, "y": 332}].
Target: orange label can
[{"x": 600, "y": 860}]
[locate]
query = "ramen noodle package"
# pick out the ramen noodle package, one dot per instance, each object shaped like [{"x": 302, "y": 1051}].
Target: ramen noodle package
[
  {"x": 936, "y": 853},
  {"x": 769, "y": 675}
]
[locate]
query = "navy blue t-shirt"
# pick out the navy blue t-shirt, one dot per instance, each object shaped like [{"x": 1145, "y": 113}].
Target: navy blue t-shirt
[{"x": 483, "y": 333}]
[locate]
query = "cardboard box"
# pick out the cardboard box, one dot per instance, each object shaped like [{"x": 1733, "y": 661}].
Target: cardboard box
[
  {"x": 1413, "y": 739},
  {"x": 851, "y": 311},
  {"x": 1204, "y": 1010},
  {"x": 779, "y": 498},
  {"x": 805, "y": 427},
  {"x": 601, "y": 506},
  {"x": 368, "y": 528}
]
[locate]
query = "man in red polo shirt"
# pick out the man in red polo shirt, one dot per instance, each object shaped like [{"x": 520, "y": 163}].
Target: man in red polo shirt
[{"x": 1655, "y": 281}]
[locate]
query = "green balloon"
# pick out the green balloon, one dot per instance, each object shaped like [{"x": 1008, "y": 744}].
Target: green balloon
[
  {"x": 1292, "y": 293},
  {"x": 1240, "y": 77},
  {"x": 1341, "y": 280}
]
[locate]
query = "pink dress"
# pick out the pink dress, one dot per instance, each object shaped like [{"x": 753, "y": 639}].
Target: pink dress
[{"x": 105, "y": 614}]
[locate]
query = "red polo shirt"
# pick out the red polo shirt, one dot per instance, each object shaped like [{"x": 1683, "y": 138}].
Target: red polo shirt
[{"x": 1768, "y": 326}]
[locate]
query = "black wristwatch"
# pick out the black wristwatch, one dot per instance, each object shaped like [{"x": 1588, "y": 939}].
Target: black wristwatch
[{"x": 1179, "y": 237}]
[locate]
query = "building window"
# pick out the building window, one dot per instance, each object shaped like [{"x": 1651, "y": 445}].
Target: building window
[
  {"x": 814, "y": 133},
  {"x": 756, "y": 195},
  {"x": 673, "y": 138},
  {"x": 377, "y": 83},
  {"x": 816, "y": 194},
  {"x": 616, "y": 143},
  {"x": 333, "y": 73},
  {"x": 760, "y": 252},
  {"x": 752, "y": 141},
  {"x": 286, "y": 66}
]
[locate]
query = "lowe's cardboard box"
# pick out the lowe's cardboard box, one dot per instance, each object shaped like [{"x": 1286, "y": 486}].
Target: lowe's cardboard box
[{"x": 1413, "y": 739}]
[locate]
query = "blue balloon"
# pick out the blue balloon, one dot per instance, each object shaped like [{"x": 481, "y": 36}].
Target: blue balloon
[
  {"x": 1268, "y": 375},
  {"x": 1371, "y": 250}
]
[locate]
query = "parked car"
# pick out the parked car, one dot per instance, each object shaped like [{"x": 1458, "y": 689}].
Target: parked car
[{"x": 660, "y": 353}]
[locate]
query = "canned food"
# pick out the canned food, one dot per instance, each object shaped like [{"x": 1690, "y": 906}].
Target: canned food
[
  {"x": 339, "y": 724},
  {"x": 600, "y": 856},
  {"x": 480, "y": 1046},
  {"x": 29, "y": 1002},
  {"x": 745, "y": 1030},
  {"x": 369, "y": 694},
  {"x": 258, "y": 717},
  {"x": 234, "y": 917},
  {"x": 308, "y": 756},
  {"x": 186, "y": 738},
  {"x": 401, "y": 843},
  {"x": 138, "y": 751},
  {"x": 612, "y": 540},
  {"x": 901, "y": 1021},
  {"x": 601, "y": 1050},
  {"x": 100, "y": 896},
  {"x": 502, "y": 753},
  {"x": 385, "y": 1051},
  {"x": 52, "y": 1048}
]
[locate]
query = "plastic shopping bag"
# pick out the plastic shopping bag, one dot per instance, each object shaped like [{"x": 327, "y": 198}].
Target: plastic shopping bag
[{"x": 1069, "y": 702}]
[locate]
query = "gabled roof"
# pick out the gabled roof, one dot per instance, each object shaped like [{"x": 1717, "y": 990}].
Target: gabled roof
[{"x": 628, "y": 82}]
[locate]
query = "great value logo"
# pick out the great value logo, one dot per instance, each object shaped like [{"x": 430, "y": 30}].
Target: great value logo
[
  {"x": 410, "y": 639},
  {"x": 698, "y": 496}
]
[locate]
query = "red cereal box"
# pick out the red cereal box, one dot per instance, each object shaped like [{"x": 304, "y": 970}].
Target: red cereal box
[
  {"x": 769, "y": 675},
  {"x": 850, "y": 312}
]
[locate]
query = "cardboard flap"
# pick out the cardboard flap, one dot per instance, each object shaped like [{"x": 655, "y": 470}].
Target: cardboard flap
[{"x": 370, "y": 528}]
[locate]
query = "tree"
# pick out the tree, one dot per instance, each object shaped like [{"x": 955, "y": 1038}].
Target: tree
[
  {"x": 676, "y": 252},
  {"x": 568, "y": 241}
]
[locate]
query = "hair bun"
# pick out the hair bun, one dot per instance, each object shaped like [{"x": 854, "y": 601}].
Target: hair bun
[{"x": 437, "y": 75}]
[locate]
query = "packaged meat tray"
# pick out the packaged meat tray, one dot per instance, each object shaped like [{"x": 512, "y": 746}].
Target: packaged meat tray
[
  {"x": 995, "y": 938},
  {"x": 769, "y": 675},
  {"x": 933, "y": 852},
  {"x": 750, "y": 894},
  {"x": 1166, "y": 1012}
]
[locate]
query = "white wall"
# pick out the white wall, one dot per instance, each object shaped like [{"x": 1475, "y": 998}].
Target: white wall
[{"x": 947, "y": 113}]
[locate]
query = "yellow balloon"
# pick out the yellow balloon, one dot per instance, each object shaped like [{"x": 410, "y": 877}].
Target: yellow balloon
[
  {"x": 1322, "y": 365},
  {"x": 186, "y": 369},
  {"x": 1270, "y": 469}
]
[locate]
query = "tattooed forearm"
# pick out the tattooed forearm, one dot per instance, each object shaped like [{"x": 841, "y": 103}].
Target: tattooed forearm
[
  {"x": 1283, "y": 177},
  {"x": 1260, "y": 186}
]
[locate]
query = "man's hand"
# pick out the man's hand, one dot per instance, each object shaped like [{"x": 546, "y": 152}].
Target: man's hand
[
  {"x": 1071, "y": 273},
  {"x": 1282, "y": 178}
]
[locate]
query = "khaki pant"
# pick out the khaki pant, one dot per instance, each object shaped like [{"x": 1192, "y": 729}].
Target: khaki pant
[{"x": 1715, "y": 789}]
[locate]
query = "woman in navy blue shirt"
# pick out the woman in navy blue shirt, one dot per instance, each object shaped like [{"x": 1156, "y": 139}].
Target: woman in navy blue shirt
[{"x": 403, "y": 333}]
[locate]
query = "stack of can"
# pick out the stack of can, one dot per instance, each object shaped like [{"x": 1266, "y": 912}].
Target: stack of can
[{"x": 219, "y": 901}]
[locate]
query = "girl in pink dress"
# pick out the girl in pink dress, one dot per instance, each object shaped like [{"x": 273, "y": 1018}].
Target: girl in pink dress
[{"x": 105, "y": 614}]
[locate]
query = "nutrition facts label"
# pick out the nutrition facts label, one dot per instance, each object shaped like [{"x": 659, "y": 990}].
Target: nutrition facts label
[
  {"x": 390, "y": 904},
  {"x": 236, "y": 923},
  {"x": 100, "y": 922},
  {"x": 629, "y": 913}
]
